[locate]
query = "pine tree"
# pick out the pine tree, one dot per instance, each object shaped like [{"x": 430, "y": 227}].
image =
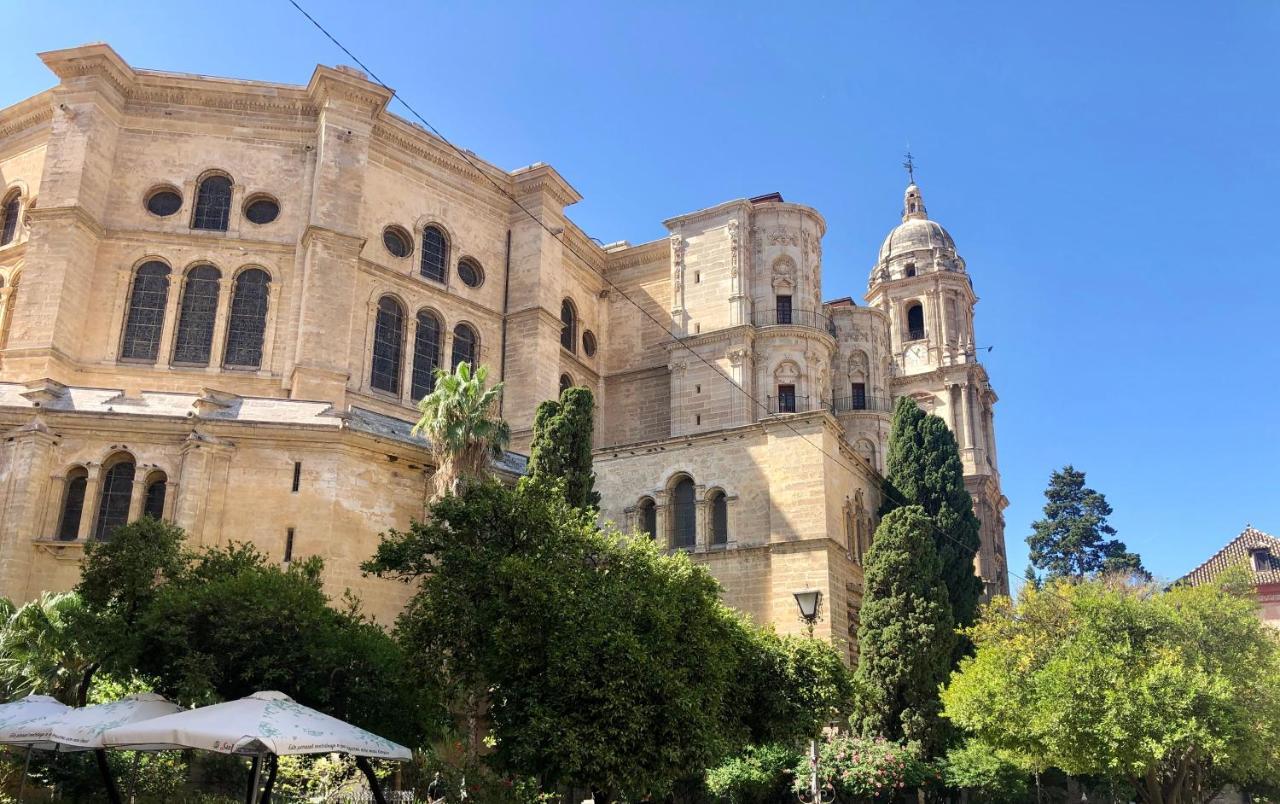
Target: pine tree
[
  {"x": 906, "y": 639},
  {"x": 923, "y": 468},
  {"x": 561, "y": 448},
  {"x": 1072, "y": 540}
]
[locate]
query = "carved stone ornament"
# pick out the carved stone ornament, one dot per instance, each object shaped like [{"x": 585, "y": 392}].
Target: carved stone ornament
[
  {"x": 781, "y": 237},
  {"x": 784, "y": 266}
]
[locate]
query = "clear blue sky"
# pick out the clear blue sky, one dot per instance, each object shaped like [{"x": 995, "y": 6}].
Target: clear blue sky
[{"x": 1108, "y": 170}]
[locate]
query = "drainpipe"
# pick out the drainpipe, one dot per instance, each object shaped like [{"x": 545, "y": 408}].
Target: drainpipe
[{"x": 506, "y": 292}]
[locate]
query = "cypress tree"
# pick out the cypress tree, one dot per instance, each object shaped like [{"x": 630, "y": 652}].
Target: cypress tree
[
  {"x": 561, "y": 447},
  {"x": 1071, "y": 541},
  {"x": 923, "y": 468},
  {"x": 905, "y": 640}
]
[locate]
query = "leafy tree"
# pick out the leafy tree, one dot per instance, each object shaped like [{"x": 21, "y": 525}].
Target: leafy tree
[
  {"x": 1072, "y": 539},
  {"x": 562, "y": 445},
  {"x": 591, "y": 659},
  {"x": 986, "y": 773},
  {"x": 459, "y": 419},
  {"x": 1172, "y": 694},
  {"x": 906, "y": 636},
  {"x": 923, "y": 468},
  {"x": 792, "y": 686},
  {"x": 39, "y": 651}
]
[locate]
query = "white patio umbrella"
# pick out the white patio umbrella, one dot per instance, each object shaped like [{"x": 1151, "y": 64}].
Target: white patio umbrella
[
  {"x": 17, "y": 716},
  {"x": 72, "y": 729},
  {"x": 263, "y": 724}
]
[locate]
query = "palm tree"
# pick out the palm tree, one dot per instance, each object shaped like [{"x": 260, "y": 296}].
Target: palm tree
[
  {"x": 38, "y": 651},
  {"x": 459, "y": 420}
]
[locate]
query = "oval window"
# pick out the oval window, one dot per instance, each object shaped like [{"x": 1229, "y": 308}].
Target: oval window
[
  {"x": 261, "y": 209},
  {"x": 589, "y": 343},
  {"x": 470, "y": 273},
  {"x": 164, "y": 202},
  {"x": 397, "y": 241}
]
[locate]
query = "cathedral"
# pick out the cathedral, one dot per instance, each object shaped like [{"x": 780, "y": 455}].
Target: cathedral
[{"x": 220, "y": 301}]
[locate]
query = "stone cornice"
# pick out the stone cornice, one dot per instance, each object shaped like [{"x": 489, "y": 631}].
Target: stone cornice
[
  {"x": 542, "y": 178},
  {"x": 740, "y": 205},
  {"x": 76, "y": 215},
  {"x": 391, "y": 134},
  {"x": 24, "y": 116},
  {"x": 320, "y": 233},
  {"x": 746, "y": 331},
  {"x": 96, "y": 60},
  {"x": 329, "y": 85},
  {"x": 656, "y": 251}
]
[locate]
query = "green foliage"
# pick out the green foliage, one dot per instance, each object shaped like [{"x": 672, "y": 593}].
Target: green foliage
[
  {"x": 923, "y": 468},
  {"x": 459, "y": 419},
  {"x": 1171, "y": 693},
  {"x": 40, "y": 652},
  {"x": 1071, "y": 541},
  {"x": 867, "y": 768},
  {"x": 988, "y": 774},
  {"x": 794, "y": 685},
  {"x": 761, "y": 774},
  {"x": 227, "y": 622},
  {"x": 905, "y": 638},
  {"x": 593, "y": 659},
  {"x": 561, "y": 447}
]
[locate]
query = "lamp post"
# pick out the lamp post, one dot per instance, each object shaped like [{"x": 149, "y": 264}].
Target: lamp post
[{"x": 810, "y": 601}]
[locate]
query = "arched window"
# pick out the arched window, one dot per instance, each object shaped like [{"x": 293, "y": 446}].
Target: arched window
[
  {"x": 9, "y": 214},
  {"x": 247, "y": 323},
  {"x": 568, "y": 326},
  {"x": 73, "y": 504},
  {"x": 435, "y": 254},
  {"x": 213, "y": 204},
  {"x": 647, "y": 517},
  {"x": 684, "y": 514},
  {"x": 566, "y": 382},
  {"x": 146, "y": 312},
  {"x": 388, "y": 345},
  {"x": 117, "y": 489},
  {"x": 196, "y": 315},
  {"x": 915, "y": 321},
  {"x": 426, "y": 354},
  {"x": 153, "y": 503},
  {"x": 719, "y": 519},
  {"x": 910, "y": 271},
  {"x": 465, "y": 346}
]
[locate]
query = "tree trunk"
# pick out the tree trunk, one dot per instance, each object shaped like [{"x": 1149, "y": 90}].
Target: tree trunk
[{"x": 82, "y": 693}]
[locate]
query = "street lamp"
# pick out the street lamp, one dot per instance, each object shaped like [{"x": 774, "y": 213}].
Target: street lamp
[{"x": 809, "y": 601}]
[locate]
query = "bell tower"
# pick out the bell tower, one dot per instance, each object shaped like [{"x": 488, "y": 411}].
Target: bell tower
[{"x": 921, "y": 283}]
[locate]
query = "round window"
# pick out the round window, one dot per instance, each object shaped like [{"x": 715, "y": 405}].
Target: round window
[
  {"x": 397, "y": 241},
  {"x": 470, "y": 273},
  {"x": 164, "y": 202},
  {"x": 589, "y": 343},
  {"x": 261, "y": 209}
]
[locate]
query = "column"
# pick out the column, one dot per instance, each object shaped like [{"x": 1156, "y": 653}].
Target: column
[
  {"x": 406, "y": 373},
  {"x": 968, "y": 418},
  {"x": 662, "y": 534},
  {"x": 53, "y": 507},
  {"x": 218, "y": 348},
  {"x": 701, "y": 520},
  {"x": 138, "y": 494},
  {"x": 90, "y": 512},
  {"x": 164, "y": 354}
]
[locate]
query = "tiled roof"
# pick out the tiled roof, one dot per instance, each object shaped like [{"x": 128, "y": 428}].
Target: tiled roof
[{"x": 1241, "y": 550}]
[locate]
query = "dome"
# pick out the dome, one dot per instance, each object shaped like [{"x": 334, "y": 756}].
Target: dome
[{"x": 915, "y": 234}]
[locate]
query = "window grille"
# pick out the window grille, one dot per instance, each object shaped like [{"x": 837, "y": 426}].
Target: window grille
[
  {"x": 388, "y": 346},
  {"x": 786, "y": 399},
  {"x": 684, "y": 515},
  {"x": 196, "y": 318},
  {"x": 117, "y": 489},
  {"x": 146, "y": 312},
  {"x": 426, "y": 354},
  {"x": 719, "y": 520},
  {"x": 9, "y": 225},
  {"x": 783, "y": 307},
  {"x": 435, "y": 254},
  {"x": 464, "y": 346},
  {"x": 247, "y": 323},
  {"x": 213, "y": 204},
  {"x": 73, "y": 505},
  {"x": 569, "y": 326}
]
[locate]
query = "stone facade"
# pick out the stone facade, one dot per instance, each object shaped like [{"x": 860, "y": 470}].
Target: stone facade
[{"x": 221, "y": 300}]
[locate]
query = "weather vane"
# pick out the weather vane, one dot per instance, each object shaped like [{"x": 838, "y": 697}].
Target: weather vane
[{"x": 910, "y": 165}]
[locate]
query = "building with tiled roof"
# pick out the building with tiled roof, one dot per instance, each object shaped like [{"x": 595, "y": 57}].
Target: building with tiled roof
[{"x": 1258, "y": 551}]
